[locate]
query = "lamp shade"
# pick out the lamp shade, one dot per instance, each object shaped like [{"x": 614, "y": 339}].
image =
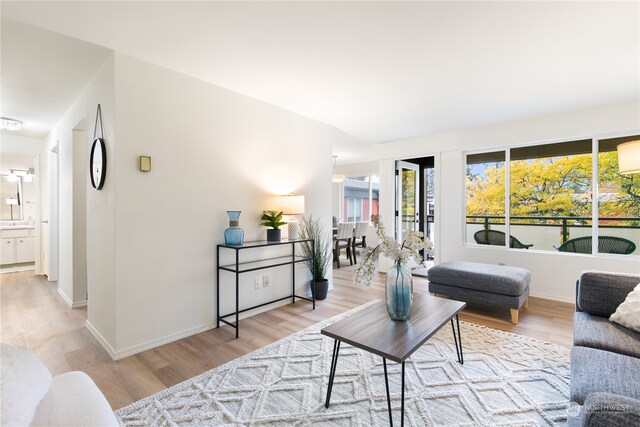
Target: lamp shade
[
  {"x": 292, "y": 205},
  {"x": 629, "y": 157}
]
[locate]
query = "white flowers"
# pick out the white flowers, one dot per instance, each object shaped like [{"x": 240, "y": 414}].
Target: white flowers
[{"x": 402, "y": 253}]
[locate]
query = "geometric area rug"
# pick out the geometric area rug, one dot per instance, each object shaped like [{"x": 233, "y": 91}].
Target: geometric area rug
[{"x": 506, "y": 379}]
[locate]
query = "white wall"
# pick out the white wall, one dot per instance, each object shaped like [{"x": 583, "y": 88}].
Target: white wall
[
  {"x": 100, "y": 211},
  {"x": 80, "y": 160},
  {"x": 212, "y": 150},
  {"x": 553, "y": 274},
  {"x": 11, "y": 143}
]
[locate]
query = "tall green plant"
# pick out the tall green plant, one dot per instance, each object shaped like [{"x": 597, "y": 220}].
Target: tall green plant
[{"x": 320, "y": 256}]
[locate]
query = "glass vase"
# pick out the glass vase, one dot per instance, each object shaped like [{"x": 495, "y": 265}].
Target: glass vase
[
  {"x": 234, "y": 235},
  {"x": 399, "y": 292}
]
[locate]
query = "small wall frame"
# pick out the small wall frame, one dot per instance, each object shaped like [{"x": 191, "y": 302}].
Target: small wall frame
[{"x": 145, "y": 163}]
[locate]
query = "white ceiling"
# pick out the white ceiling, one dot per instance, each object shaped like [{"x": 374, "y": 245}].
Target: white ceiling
[
  {"x": 42, "y": 74},
  {"x": 377, "y": 70}
]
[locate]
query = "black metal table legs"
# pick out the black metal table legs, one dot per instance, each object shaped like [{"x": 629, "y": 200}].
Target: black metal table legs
[
  {"x": 457, "y": 338},
  {"x": 386, "y": 383},
  {"x": 402, "y": 399},
  {"x": 332, "y": 371}
]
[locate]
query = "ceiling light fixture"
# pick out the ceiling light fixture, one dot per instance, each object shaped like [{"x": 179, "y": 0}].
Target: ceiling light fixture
[
  {"x": 10, "y": 124},
  {"x": 337, "y": 177}
]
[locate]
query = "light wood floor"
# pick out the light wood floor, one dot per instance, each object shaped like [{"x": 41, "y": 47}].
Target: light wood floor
[{"x": 34, "y": 317}]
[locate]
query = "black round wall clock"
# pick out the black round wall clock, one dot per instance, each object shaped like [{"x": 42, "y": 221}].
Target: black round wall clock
[{"x": 98, "y": 163}]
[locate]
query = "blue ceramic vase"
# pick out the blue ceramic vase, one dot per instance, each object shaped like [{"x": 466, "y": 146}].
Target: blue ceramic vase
[
  {"x": 234, "y": 235},
  {"x": 399, "y": 292}
]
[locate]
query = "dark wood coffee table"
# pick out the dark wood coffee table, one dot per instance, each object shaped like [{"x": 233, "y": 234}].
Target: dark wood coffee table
[{"x": 372, "y": 329}]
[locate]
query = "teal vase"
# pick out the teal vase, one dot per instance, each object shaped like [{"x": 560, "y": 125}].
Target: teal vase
[
  {"x": 399, "y": 292},
  {"x": 234, "y": 235}
]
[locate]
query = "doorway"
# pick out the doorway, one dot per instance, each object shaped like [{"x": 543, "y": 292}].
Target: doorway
[
  {"x": 415, "y": 202},
  {"x": 18, "y": 212}
]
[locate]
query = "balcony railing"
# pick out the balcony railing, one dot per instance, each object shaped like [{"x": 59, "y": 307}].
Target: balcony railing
[
  {"x": 539, "y": 230},
  {"x": 565, "y": 222}
]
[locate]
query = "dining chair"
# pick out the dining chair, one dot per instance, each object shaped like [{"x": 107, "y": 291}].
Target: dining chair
[
  {"x": 359, "y": 238},
  {"x": 343, "y": 239}
]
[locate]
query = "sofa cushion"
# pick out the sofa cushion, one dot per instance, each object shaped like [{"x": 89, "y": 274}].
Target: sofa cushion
[
  {"x": 601, "y": 293},
  {"x": 598, "y": 332},
  {"x": 628, "y": 313},
  {"x": 25, "y": 381},
  {"x": 496, "y": 279},
  {"x": 74, "y": 400},
  {"x": 594, "y": 370},
  {"x": 607, "y": 409}
]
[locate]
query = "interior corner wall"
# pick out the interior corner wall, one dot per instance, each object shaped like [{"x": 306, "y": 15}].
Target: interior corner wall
[
  {"x": 553, "y": 274},
  {"x": 79, "y": 226},
  {"x": 211, "y": 150},
  {"x": 100, "y": 211}
]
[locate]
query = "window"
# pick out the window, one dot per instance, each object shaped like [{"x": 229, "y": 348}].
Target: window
[
  {"x": 485, "y": 192},
  {"x": 618, "y": 196},
  {"x": 550, "y": 197},
  {"x": 354, "y": 210},
  {"x": 361, "y": 197},
  {"x": 550, "y": 193}
]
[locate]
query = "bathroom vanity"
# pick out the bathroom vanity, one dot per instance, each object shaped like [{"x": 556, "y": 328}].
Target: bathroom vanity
[{"x": 17, "y": 244}]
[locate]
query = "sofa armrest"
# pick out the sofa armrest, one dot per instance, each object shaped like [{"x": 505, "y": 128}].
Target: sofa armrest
[
  {"x": 74, "y": 400},
  {"x": 607, "y": 409},
  {"x": 600, "y": 293}
]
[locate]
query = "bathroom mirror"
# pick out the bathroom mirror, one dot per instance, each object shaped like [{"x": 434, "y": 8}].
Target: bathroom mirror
[{"x": 11, "y": 201}]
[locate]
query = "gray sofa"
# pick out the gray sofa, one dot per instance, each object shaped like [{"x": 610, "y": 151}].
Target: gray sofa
[{"x": 605, "y": 358}]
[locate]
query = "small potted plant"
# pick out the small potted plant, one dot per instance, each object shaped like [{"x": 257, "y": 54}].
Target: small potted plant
[
  {"x": 319, "y": 256},
  {"x": 272, "y": 219}
]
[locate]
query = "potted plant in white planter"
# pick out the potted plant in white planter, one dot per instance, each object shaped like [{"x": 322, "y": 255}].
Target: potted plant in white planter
[
  {"x": 319, "y": 256},
  {"x": 274, "y": 220}
]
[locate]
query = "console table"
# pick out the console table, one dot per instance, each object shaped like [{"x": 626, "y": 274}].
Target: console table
[{"x": 239, "y": 267}]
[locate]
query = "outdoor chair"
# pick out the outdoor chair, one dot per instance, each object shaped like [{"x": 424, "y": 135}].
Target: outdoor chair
[
  {"x": 359, "y": 238},
  {"x": 606, "y": 245},
  {"x": 495, "y": 237},
  {"x": 342, "y": 240}
]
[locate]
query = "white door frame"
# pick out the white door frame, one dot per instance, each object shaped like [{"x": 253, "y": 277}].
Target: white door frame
[
  {"x": 53, "y": 209},
  {"x": 400, "y": 166}
]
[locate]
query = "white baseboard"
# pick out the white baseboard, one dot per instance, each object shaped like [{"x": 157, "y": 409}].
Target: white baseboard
[
  {"x": 115, "y": 355},
  {"x": 65, "y": 298},
  {"x": 79, "y": 304},
  {"x": 553, "y": 297},
  {"x": 120, "y": 354},
  {"x": 103, "y": 342},
  {"x": 70, "y": 303},
  {"x": 158, "y": 342}
]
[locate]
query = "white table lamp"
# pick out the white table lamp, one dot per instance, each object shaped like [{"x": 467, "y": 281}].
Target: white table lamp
[
  {"x": 292, "y": 205},
  {"x": 629, "y": 157}
]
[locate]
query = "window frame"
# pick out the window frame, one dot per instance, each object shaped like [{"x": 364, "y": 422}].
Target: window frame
[
  {"x": 370, "y": 197},
  {"x": 595, "y": 140}
]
